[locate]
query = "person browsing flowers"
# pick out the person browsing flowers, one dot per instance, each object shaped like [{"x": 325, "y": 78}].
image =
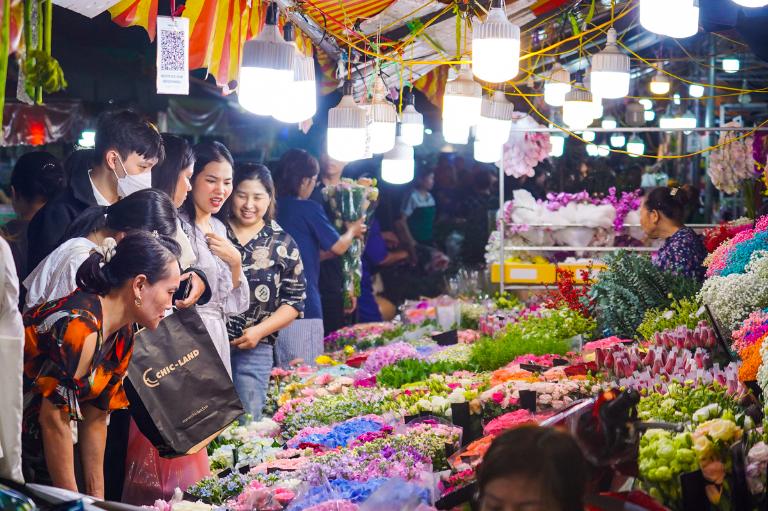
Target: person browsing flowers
[
  {"x": 77, "y": 350},
  {"x": 275, "y": 276},
  {"x": 216, "y": 256},
  {"x": 662, "y": 216}
]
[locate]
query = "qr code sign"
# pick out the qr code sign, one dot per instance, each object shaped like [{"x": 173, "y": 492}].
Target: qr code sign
[{"x": 173, "y": 56}]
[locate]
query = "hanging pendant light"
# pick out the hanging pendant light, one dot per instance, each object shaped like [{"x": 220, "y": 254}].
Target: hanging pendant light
[
  {"x": 557, "y": 86},
  {"x": 298, "y": 100},
  {"x": 603, "y": 150},
  {"x": 347, "y": 128},
  {"x": 752, "y": 4},
  {"x": 578, "y": 108},
  {"x": 557, "y": 142},
  {"x": 696, "y": 90},
  {"x": 609, "y": 123},
  {"x": 610, "y": 70},
  {"x": 487, "y": 151},
  {"x": 591, "y": 150},
  {"x": 597, "y": 101},
  {"x": 411, "y": 122},
  {"x": 660, "y": 83},
  {"x": 618, "y": 140},
  {"x": 455, "y": 132},
  {"x": 673, "y": 18},
  {"x": 267, "y": 68},
  {"x": 589, "y": 136},
  {"x": 635, "y": 146},
  {"x": 462, "y": 98},
  {"x": 495, "y": 119},
  {"x": 634, "y": 114},
  {"x": 649, "y": 115},
  {"x": 382, "y": 119},
  {"x": 495, "y": 47},
  {"x": 397, "y": 164},
  {"x": 731, "y": 65}
]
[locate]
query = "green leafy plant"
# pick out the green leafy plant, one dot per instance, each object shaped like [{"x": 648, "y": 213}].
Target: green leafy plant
[
  {"x": 412, "y": 370},
  {"x": 629, "y": 287},
  {"x": 682, "y": 312},
  {"x": 550, "y": 333}
]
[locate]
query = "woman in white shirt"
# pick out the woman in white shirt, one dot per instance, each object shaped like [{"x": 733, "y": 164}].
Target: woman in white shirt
[{"x": 145, "y": 210}]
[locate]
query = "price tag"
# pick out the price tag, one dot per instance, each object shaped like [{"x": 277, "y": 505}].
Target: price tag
[{"x": 172, "y": 55}]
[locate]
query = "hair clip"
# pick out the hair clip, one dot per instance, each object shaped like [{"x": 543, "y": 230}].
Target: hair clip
[
  {"x": 673, "y": 191},
  {"x": 107, "y": 250},
  {"x": 155, "y": 234}
]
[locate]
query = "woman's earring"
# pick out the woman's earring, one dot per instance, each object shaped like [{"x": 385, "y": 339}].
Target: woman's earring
[{"x": 137, "y": 301}]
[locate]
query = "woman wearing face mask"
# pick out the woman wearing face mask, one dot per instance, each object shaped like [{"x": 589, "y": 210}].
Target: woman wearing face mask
[
  {"x": 216, "y": 256},
  {"x": 276, "y": 278},
  {"x": 662, "y": 216},
  {"x": 77, "y": 351},
  {"x": 146, "y": 210}
]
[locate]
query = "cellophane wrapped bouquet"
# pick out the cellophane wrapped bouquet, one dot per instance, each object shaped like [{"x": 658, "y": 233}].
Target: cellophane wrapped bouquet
[{"x": 349, "y": 201}]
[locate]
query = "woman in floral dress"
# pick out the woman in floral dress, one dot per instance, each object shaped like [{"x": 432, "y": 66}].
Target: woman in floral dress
[
  {"x": 662, "y": 216},
  {"x": 275, "y": 274}
]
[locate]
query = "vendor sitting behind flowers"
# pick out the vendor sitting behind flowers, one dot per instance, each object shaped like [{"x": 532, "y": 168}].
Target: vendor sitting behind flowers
[{"x": 662, "y": 216}]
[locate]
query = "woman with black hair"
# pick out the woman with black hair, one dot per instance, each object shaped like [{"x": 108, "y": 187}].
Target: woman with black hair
[
  {"x": 275, "y": 276},
  {"x": 36, "y": 178},
  {"x": 307, "y": 223},
  {"x": 216, "y": 256},
  {"x": 145, "y": 210},
  {"x": 77, "y": 350},
  {"x": 662, "y": 216},
  {"x": 533, "y": 468}
]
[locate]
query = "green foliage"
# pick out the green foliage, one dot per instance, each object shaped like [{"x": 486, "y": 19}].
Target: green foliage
[
  {"x": 506, "y": 301},
  {"x": 412, "y": 370},
  {"x": 682, "y": 312},
  {"x": 629, "y": 287},
  {"x": 682, "y": 402},
  {"x": 535, "y": 335}
]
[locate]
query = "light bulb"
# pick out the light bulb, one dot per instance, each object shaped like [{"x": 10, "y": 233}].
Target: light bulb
[
  {"x": 603, "y": 150},
  {"x": 673, "y": 18},
  {"x": 397, "y": 164},
  {"x": 660, "y": 84},
  {"x": 695, "y": 90},
  {"x": 455, "y": 131},
  {"x": 557, "y": 86},
  {"x": 411, "y": 123},
  {"x": 609, "y": 123},
  {"x": 557, "y": 142},
  {"x": 676, "y": 98},
  {"x": 495, "y": 47},
  {"x": 731, "y": 65},
  {"x": 649, "y": 115},
  {"x": 635, "y": 146},
  {"x": 752, "y": 4},
  {"x": 462, "y": 98},
  {"x": 609, "y": 77},
  {"x": 298, "y": 100},
  {"x": 589, "y": 136},
  {"x": 687, "y": 120},
  {"x": 347, "y": 129},
  {"x": 618, "y": 140},
  {"x": 266, "y": 69},
  {"x": 591, "y": 150},
  {"x": 487, "y": 152},
  {"x": 578, "y": 108},
  {"x": 597, "y": 107},
  {"x": 382, "y": 118},
  {"x": 495, "y": 119},
  {"x": 647, "y": 103}
]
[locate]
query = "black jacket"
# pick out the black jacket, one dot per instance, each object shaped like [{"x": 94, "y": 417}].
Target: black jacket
[{"x": 48, "y": 226}]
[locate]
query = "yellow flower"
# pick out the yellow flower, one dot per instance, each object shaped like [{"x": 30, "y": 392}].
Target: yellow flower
[
  {"x": 349, "y": 350},
  {"x": 324, "y": 360}
]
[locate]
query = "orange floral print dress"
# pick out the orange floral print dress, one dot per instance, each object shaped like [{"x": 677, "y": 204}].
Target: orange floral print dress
[{"x": 54, "y": 337}]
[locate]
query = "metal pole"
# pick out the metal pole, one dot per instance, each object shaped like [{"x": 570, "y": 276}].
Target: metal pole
[
  {"x": 501, "y": 225},
  {"x": 709, "y": 122}
]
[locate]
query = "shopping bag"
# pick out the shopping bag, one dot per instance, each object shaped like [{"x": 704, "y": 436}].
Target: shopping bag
[{"x": 180, "y": 393}]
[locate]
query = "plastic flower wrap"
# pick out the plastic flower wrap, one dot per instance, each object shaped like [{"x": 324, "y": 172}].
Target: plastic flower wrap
[
  {"x": 663, "y": 457},
  {"x": 732, "y": 162},
  {"x": 350, "y": 201},
  {"x": 523, "y": 151},
  {"x": 757, "y": 460},
  {"x": 711, "y": 443}
]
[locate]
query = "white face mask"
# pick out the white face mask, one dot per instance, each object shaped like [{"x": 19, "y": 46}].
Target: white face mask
[{"x": 128, "y": 184}]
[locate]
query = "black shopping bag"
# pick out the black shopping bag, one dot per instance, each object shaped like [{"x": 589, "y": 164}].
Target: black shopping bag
[{"x": 180, "y": 393}]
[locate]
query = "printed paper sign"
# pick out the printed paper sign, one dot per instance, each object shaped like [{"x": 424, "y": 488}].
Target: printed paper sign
[
  {"x": 90, "y": 8},
  {"x": 172, "y": 55}
]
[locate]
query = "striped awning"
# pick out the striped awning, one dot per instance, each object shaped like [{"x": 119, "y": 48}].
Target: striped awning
[{"x": 340, "y": 17}]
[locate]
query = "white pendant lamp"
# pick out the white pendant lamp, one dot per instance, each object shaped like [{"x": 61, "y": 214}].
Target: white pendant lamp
[
  {"x": 635, "y": 146},
  {"x": 609, "y": 78},
  {"x": 495, "y": 47},
  {"x": 731, "y": 65},
  {"x": 696, "y": 90},
  {"x": 462, "y": 98},
  {"x": 597, "y": 107},
  {"x": 618, "y": 140},
  {"x": 347, "y": 129},
  {"x": 589, "y": 136},
  {"x": 411, "y": 122},
  {"x": 634, "y": 114},
  {"x": 487, "y": 151},
  {"x": 397, "y": 164},
  {"x": 687, "y": 120},
  {"x": 647, "y": 103},
  {"x": 660, "y": 84},
  {"x": 603, "y": 150},
  {"x": 752, "y": 4},
  {"x": 557, "y": 86},
  {"x": 495, "y": 119},
  {"x": 591, "y": 150},
  {"x": 557, "y": 142},
  {"x": 382, "y": 119},
  {"x": 578, "y": 108},
  {"x": 673, "y": 18},
  {"x": 649, "y": 115},
  {"x": 266, "y": 69},
  {"x": 455, "y": 132},
  {"x": 609, "y": 123},
  {"x": 298, "y": 100}
]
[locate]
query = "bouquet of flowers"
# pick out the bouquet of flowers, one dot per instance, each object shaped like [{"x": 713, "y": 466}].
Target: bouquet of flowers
[
  {"x": 350, "y": 201},
  {"x": 715, "y": 236},
  {"x": 733, "y": 163}
]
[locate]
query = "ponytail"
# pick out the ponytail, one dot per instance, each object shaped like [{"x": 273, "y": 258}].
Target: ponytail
[
  {"x": 139, "y": 253},
  {"x": 674, "y": 203}
]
